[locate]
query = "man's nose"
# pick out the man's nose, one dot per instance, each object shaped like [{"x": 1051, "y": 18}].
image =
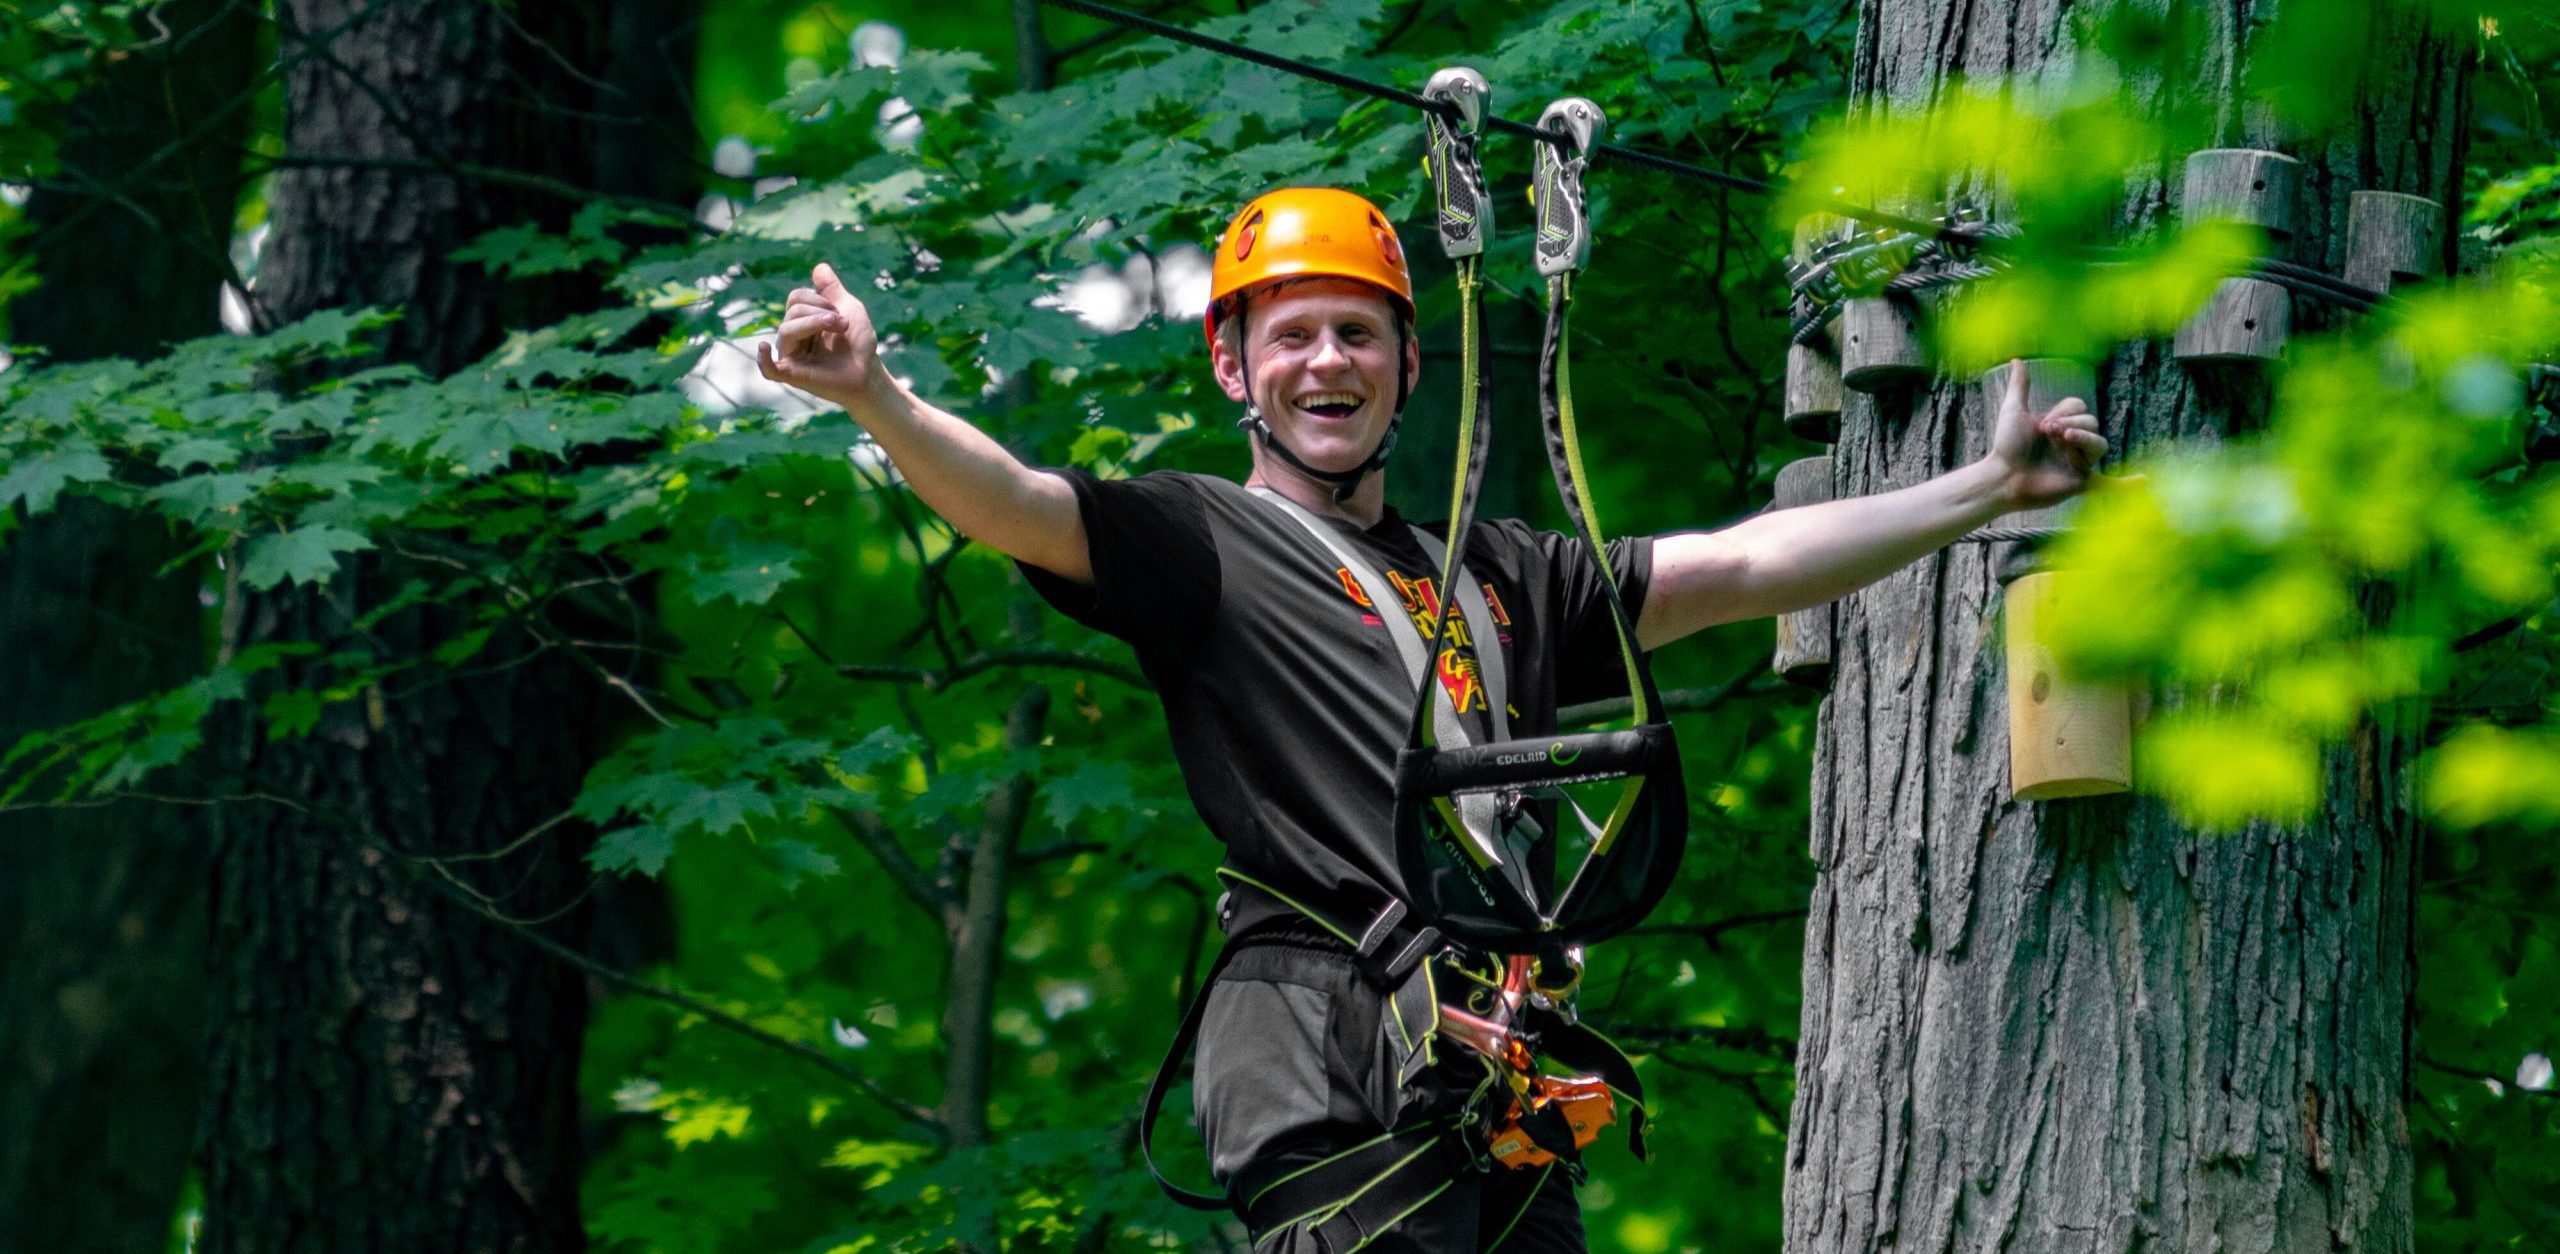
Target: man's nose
[{"x": 1330, "y": 354}]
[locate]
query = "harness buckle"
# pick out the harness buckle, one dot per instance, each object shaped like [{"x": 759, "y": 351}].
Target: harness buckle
[
  {"x": 1555, "y": 184},
  {"x": 1384, "y": 959},
  {"x": 1449, "y": 159}
]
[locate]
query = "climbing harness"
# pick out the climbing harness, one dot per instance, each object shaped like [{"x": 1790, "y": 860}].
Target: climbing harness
[{"x": 1477, "y": 825}]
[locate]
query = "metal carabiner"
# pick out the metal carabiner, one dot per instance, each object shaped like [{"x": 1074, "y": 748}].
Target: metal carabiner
[
  {"x": 1555, "y": 184},
  {"x": 1449, "y": 159}
]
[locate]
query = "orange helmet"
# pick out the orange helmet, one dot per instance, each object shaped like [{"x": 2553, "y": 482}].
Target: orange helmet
[{"x": 1308, "y": 231}]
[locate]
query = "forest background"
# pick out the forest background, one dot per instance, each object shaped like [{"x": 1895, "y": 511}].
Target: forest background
[{"x": 873, "y": 887}]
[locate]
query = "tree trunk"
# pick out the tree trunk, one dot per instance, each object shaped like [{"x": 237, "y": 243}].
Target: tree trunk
[
  {"x": 101, "y": 910},
  {"x": 389, "y": 1070},
  {"x": 2077, "y": 1025}
]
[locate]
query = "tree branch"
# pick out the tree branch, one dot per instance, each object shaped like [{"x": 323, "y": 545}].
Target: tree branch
[
  {"x": 455, "y": 892},
  {"x": 901, "y": 866},
  {"x": 1751, "y": 1039},
  {"x": 1753, "y": 681},
  {"x": 1714, "y": 929}
]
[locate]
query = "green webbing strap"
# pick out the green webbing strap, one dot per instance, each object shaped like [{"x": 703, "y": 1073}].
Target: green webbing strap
[
  {"x": 1564, "y": 448},
  {"x": 1475, "y": 441},
  {"x": 1564, "y": 457}
]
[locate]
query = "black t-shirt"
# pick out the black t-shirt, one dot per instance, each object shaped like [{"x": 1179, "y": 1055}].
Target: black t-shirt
[{"x": 1282, "y": 688}]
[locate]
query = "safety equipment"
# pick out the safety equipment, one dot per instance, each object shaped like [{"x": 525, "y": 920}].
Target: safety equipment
[
  {"x": 1311, "y": 232},
  {"x": 1476, "y": 824}
]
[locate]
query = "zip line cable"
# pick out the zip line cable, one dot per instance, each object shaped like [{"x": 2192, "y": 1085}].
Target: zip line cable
[
  {"x": 2300, "y": 279},
  {"x": 1397, "y": 95}
]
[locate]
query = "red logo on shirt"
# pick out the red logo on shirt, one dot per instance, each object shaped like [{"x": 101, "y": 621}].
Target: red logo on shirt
[{"x": 1458, "y": 669}]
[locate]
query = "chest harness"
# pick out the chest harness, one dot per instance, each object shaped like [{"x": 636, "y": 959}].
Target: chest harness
[{"x": 1476, "y": 825}]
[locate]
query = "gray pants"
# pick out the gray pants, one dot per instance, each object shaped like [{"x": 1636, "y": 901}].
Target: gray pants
[{"x": 1293, "y": 1067}]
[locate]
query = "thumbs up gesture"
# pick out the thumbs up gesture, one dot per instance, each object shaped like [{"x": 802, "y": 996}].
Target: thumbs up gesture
[{"x": 826, "y": 345}]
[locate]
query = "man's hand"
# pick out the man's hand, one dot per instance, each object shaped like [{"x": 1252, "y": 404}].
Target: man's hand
[
  {"x": 826, "y": 345},
  {"x": 2043, "y": 459}
]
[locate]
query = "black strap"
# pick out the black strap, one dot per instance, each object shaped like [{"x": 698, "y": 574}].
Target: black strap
[
  {"x": 1346, "y": 1201},
  {"x": 1583, "y": 1051},
  {"x": 1176, "y": 1056}
]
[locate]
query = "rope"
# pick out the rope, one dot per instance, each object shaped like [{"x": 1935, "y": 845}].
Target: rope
[
  {"x": 1397, "y": 95},
  {"x": 1962, "y": 236},
  {"x": 2005, "y": 535}
]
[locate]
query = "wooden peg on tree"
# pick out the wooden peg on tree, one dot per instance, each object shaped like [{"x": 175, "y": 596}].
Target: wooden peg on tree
[
  {"x": 1804, "y": 637},
  {"x": 2067, "y": 738},
  {"x": 2393, "y": 239},
  {"x": 1880, "y": 346},
  {"x": 2247, "y": 319},
  {"x": 1813, "y": 372}
]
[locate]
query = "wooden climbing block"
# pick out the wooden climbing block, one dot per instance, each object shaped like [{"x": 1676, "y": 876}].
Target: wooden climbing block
[
  {"x": 1803, "y": 654},
  {"x": 2393, "y": 239},
  {"x": 2067, "y": 738}
]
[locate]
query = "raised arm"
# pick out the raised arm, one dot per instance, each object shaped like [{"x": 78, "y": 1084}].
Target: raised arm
[
  {"x": 828, "y": 348},
  {"x": 1790, "y": 559}
]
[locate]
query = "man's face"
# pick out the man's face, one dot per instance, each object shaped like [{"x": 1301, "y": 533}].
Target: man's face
[{"x": 1322, "y": 353}]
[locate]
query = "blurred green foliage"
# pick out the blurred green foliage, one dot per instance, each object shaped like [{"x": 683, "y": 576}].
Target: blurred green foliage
[{"x": 837, "y": 662}]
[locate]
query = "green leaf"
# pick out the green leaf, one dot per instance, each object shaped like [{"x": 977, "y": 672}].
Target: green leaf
[
  {"x": 305, "y": 555},
  {"x": 643, "y": 848},
  {"x": 798, "y": 860},
  {"x": 719, "y": 809},
  {"x": 37, "y": 479},
  {"x": 201, "y": 499},
  {"x": 1092, "y": 788},
  {"x": 884, "y": 745},
  {"x": 196, "y": 450},
  {"x": 291, "y": 713},
  {"x": 747, "y": 572}
]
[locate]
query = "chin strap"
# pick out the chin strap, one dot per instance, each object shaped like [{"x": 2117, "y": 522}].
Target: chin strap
[{"x": 1345, "y": 482}]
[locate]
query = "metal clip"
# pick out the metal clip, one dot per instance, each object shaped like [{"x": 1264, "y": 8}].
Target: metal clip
[
  {"x": 1449, "y": 159},
  {"x": 1555, "y": 184}
]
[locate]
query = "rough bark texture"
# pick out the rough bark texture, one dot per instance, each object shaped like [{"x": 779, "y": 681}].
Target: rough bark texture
[
  {"x": 2078, "y": 1025},
  {"x": 101, "y": 910},
  {"x": 387, "y": 1071}
]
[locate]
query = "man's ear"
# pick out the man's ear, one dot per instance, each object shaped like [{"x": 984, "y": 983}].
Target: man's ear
[
  {"x": 1229, "y": 370},
  {"x": 1412, "y": 361}
]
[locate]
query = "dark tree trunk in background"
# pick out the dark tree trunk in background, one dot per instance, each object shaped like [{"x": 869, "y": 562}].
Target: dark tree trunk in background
[
  {"x": 388, "y": 1069},
  {"x": 2078, "y": 1025},
  {"x": 101, "y": 910}
]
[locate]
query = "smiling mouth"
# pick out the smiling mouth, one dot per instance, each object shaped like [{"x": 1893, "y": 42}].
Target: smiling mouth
[{"x": 1330, "y": 404}]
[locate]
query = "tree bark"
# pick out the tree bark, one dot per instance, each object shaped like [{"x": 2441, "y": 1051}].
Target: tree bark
[
  {"x": 101, "y": 910},
  {"x": 390, "y": 1071},
  {"x": 2078, "y": 1025}
]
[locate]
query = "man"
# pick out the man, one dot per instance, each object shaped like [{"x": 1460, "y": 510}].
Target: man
[{"x": 1287, "y": 697}]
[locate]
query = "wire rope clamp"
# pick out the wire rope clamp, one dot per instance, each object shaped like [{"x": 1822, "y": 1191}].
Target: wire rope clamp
[
  {"x": 1813, "y": 391},
  {"x": 1803, "y": 655},
  {"x": 2247, "y": 319},
  {"x": 1449, "y": 159},
  {"x": 1555, "y": 184},
  {"x": 2393, "y": 239}
]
